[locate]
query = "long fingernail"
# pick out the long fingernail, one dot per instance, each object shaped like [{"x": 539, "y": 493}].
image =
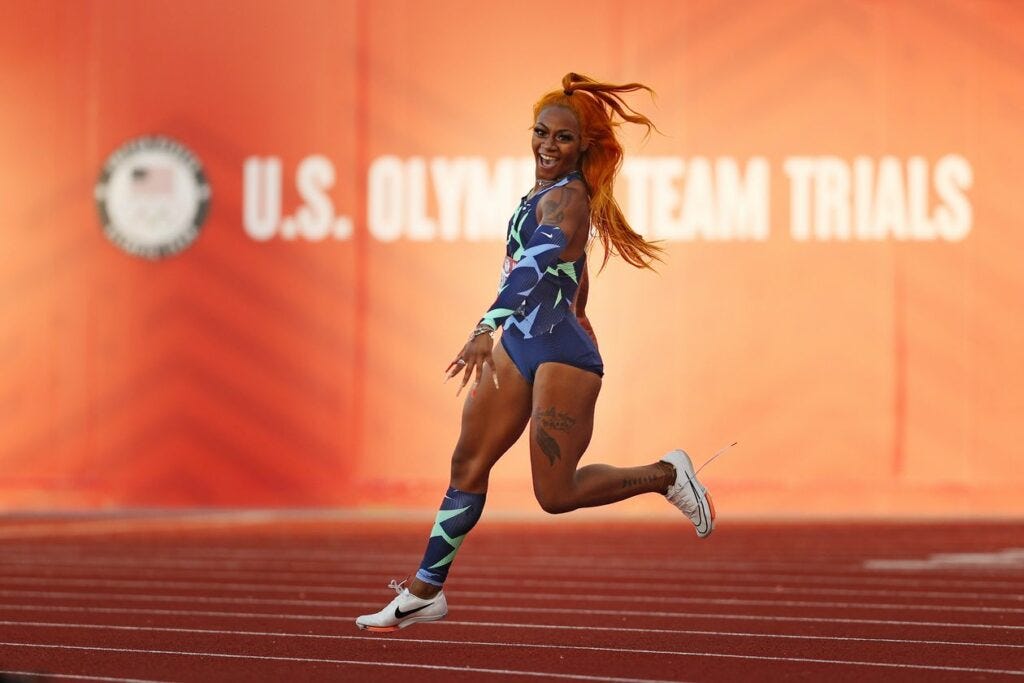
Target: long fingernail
[{"x": 495, "y": 378}]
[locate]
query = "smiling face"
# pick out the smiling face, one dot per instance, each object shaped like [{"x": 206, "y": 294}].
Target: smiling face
[{"x": 557, "y": 144}]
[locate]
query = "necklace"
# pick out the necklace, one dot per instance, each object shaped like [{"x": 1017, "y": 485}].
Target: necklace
[{"x": 544, "y": 182}]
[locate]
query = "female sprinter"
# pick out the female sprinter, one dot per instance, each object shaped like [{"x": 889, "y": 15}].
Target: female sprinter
[{"x": 546, "y": 372}]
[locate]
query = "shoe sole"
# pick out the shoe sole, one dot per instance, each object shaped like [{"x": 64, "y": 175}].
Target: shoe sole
[{"x": 399, "y": 625}]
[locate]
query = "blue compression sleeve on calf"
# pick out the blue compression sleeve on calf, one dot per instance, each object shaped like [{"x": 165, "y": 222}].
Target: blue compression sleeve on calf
[
  {"x": 458, "y": 514},
  {"x": 540, "y": 253}
]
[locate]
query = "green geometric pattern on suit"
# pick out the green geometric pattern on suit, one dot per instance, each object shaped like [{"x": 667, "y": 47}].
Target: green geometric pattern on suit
[{"x": 438, "y": 531}]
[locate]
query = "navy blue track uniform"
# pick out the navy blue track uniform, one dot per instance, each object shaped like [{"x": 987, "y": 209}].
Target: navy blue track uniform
[{"x": 536, "y": 296}]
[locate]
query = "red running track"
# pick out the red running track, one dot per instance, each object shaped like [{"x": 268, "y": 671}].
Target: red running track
[{"x": 254, "y": 597}]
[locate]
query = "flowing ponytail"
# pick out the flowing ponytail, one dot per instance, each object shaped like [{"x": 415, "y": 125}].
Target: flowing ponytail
[{"x": 595, "y": 105}]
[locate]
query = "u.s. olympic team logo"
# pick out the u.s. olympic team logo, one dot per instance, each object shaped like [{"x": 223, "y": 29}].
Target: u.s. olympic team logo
[{"x": 152, "y": 197}]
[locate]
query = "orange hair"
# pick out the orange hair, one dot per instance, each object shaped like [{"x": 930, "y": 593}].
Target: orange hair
[{"x": 594, "y": 105}]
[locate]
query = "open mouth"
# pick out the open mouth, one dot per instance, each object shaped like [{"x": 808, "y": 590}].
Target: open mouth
[{"x": 544, "y": 161}]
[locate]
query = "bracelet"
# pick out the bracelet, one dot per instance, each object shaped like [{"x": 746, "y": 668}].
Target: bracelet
[{"x": 481, "y": 329}]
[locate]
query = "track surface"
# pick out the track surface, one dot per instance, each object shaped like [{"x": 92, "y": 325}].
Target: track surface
[{"x": 216, "y": 599}]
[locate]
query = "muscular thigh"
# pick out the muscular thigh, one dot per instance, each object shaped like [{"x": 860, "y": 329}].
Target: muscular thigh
[
  {"x": 492, "y": 421},
  {"x": 562, "y": 422}
]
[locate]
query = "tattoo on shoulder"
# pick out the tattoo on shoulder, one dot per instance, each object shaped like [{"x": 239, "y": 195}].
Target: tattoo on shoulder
[
  {"x": 554, "y": 419},
  {"x": 549, "y": 446},
  {"x": 554, "y": 205}
]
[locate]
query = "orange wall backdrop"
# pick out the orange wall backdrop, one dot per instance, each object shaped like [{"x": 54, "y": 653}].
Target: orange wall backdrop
[{"x": 836, "y": 184}]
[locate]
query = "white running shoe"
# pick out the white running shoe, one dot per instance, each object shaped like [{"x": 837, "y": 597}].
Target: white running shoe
[
  {"x": 404, "y": 610},
  {"x": 689, "y": 495}
]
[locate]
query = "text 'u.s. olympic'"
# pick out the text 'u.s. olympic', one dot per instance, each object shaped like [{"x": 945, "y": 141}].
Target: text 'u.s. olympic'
[{"x": 822, "y": 198}]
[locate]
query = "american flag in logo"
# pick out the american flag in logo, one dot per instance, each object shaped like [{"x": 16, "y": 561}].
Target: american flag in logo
[{"x": 153, "y": 180}]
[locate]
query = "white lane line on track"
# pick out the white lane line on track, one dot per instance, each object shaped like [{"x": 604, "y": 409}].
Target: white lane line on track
[
  {"x": 343, "y": 551},
  {"x": 763, "y": 658},
  {"x": 466, "y": 576},
  {"x": 717, "y": 615},
  {"x": 732, "y": 634},
  {"x": 54, "y": 674},
  {"x": 559, "y": 597},
  {"x": 335, "y": 545},
  {"x": 353, "y": 662},
  {"x": 474, "y": 565},
  {"x": 577, "y": 563},
  {"x": 189, "y": 520},
  {"x": 470, "y": 571},
  {"x": 1004, "y": 558},
  {"x": 621, "y": 556},
  {"x": 605, "y": 542},
  {"x": 356, "y": 588},
  {"x": 310, "y": 562},
  {"x": 581, "y": 562},
  {"x": 493, "y": 624},
  {"x": 531, "y": 610}
]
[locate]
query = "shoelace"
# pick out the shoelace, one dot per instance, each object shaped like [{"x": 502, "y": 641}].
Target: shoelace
[
  {"x": 399, "y": 587},
  {"x": 712, "y": 458},
  {"x": 675, "y": 496}
]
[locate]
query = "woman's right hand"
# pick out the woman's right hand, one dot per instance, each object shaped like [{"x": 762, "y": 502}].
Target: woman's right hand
[{"x": 472, "y": 359}]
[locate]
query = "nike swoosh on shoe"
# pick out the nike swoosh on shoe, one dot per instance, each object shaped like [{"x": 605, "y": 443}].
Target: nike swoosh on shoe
[
  {"x": 703, "y": 523},
  {"x": 399, "y": 614}
]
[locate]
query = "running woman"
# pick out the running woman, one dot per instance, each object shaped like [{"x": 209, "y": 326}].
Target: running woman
[{"x": 546, "y": 372}]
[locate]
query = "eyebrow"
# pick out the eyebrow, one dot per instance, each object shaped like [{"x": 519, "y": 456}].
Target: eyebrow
[{"x": 557, "y": 130}]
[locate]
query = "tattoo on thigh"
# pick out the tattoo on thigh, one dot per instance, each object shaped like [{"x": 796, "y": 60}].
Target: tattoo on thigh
[
  {"x": 553, "y": 419},
  {"x": 549, "y": 446}
]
